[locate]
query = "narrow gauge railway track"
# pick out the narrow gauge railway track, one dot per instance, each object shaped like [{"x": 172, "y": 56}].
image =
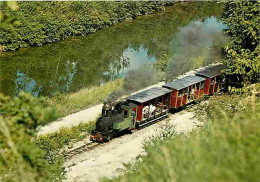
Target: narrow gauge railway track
[
  {"x": 91, "y": 145},
  {"x": 87, "y": 147}
]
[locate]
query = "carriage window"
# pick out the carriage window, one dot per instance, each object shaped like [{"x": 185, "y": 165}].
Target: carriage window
[{"x": 126, "y": 113}]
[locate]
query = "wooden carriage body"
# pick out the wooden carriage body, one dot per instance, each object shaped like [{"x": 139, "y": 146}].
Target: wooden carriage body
[
  {"x": 157, "y": 97},
  {"x": 185, "y": 90}
]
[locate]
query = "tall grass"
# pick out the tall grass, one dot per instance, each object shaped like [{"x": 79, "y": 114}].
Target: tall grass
[
  {"x": 72, "y": 102},
  {"x": 226, "y": 149}
]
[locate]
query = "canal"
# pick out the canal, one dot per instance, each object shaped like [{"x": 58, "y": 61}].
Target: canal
[{"x": 95, "y": 59}]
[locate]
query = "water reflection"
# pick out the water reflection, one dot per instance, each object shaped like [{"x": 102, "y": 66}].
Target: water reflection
[
  {"x": 131, "y": 59},
  {"x": 64, "y": 81},
  {"x": 26, "y": 84},
  {"x": 95, "y": 59}
]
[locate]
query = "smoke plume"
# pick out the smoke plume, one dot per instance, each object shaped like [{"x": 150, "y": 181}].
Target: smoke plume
[
  {"x": 136, "y": 79},
  {"x": 195, "y": 45}
]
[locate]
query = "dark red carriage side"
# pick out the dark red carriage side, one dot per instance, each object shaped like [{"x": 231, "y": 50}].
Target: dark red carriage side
[
  {"x": 185, "y": 90},
  {"x": 156, "y": 97}
]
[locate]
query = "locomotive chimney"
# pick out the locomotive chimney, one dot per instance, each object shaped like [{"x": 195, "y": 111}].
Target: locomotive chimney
[
  {"x": 109, "y": 113},
  {"x": 103, "y": 111}
]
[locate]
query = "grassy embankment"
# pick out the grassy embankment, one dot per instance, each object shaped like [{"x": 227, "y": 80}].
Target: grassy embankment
[
  {"x": 226, "y": 149},
  {"x": 66, "y": 104}
]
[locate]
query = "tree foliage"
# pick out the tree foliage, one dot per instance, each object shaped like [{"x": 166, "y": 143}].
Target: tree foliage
[
  {"x": 5, "y": 15},
  {"x": 42, "y": 22},
  {"x": 243, "y": 26},
  {"x": 20, "y": 158}
]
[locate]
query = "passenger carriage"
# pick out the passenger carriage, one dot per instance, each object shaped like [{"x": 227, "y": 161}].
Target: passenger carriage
[
  {"x": 185, "y": 90},
  {"x": 153, "y": 104}
]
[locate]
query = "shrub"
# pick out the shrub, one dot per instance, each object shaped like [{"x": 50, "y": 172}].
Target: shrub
[
  {"x": 21, "y": 159},
  {"x": 27, "y": 110},
  {"x": 242, "y": 53}
]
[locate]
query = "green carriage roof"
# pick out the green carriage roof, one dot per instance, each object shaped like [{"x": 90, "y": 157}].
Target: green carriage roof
[
  {"x": 184, "y": 82},
  {"x": 148, "y": 95}
]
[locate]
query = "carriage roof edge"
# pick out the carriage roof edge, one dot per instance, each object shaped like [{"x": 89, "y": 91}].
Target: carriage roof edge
[
  {"x": 148, "y": 95},
  {"x": 211, "y": 71},
  {"x": 184, "y": 82}
]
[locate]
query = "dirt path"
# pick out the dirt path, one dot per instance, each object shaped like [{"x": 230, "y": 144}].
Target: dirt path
[{"x": 108, "y": 160}]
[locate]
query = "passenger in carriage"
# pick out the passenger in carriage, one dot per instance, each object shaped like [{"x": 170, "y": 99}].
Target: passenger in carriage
[
  {"x": 145, "y": 111},
  {"x": 148, "y": 111},
  {"x": 152, "y": 109}
]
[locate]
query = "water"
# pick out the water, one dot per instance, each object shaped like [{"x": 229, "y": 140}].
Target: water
[{"x": 80, "y": 62}]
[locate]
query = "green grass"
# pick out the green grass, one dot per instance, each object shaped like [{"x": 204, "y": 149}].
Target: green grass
[
  {"x": 66, "y": 104},
  {"x": 226, "y": 149}
]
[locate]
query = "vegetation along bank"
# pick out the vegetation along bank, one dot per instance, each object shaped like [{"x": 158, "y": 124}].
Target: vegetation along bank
[{"x": 36, "y": 23}]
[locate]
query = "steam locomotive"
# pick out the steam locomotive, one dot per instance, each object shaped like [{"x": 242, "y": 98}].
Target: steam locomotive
[{"x": 154, "y": 104}]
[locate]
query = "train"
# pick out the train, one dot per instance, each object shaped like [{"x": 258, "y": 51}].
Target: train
[{"x": 154, "y": 104}]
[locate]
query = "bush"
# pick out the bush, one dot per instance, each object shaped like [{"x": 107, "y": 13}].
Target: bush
[
  {"x": 21, "y": 159},
  {"x": 27, "y": 110},
  {"x": 242, "y": 53}
]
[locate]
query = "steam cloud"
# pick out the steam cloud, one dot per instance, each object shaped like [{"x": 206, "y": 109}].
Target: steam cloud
[
  {"x": 192, "y": 45},
  {"x": 135, "y": 80}
]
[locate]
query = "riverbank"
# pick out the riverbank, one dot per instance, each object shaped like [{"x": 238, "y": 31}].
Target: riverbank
[
  {"x": 38, "y": 23},
  {"x": 69, "y": 103}
]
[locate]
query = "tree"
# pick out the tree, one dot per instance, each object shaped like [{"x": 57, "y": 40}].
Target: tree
[
  {"x": 242, "y": 53},
  {"x": 20, "y": 158}
]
